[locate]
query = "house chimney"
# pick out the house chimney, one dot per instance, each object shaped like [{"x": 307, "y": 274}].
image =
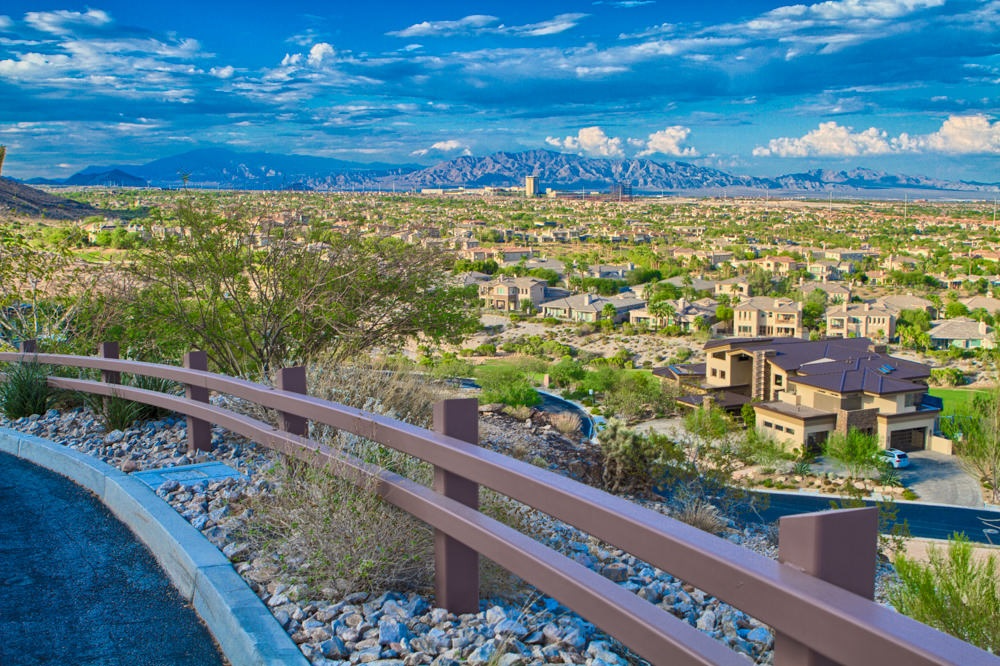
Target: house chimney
[{"x": 983, "y": 328}]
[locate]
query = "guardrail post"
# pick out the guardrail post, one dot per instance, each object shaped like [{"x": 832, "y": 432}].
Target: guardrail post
[
  {"x": 110, "y": 350},
  {"x": 28, "y": 346},
  {"x": 294, "y": 380},
  {"x": 456, "y": 566},
  {"x": 199, "y": 432},
  {"x": 840, "y": 547}
]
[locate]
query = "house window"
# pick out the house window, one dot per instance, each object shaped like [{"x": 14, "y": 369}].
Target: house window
[
  {"x": 715, "y": 373},
  {"x": 790, "y": 431},
  {"x": 768, "y": 424},
  {"x": 779, "y": 428},
  {"x": 722, "y": 374},
  {"x": 778, "y": 379}
]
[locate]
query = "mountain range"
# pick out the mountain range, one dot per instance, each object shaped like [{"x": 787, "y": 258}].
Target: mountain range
[{"x": 225, "y": 169}]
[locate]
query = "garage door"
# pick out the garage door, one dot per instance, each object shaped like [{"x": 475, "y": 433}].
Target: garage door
[{"x": 907, "y": 440}]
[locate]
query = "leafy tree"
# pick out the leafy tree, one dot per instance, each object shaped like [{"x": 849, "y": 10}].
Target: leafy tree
[
  {"x": 256, "y": 302},
  {"x": 955, "y": 309},
  {"x": 857, "y": 451}
]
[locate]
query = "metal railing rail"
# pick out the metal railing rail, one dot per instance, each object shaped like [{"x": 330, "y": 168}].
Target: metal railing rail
[{"x": 829, "y": 620}]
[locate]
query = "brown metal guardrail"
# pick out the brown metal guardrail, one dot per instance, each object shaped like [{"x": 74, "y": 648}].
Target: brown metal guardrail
[{"x": 817, "y": 597}]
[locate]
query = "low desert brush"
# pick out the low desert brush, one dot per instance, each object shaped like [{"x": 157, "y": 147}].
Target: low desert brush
[{"x": 567, "y": 423}]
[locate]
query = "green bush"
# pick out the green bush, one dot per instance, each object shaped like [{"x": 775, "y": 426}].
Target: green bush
[
  {"x": 953, "y": 592},
  {"x": 506, "y": 384},
  {"x": 25, "y": 390}
]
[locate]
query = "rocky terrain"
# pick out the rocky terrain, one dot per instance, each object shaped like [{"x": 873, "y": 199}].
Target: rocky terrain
[
  {"x": 21, "y": 199},
  {"x": 404, "y": 628}
]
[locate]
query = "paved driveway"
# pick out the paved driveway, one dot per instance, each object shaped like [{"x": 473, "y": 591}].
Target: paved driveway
[
  {"x": 940, "y": 478},
  {"x": 934, "y": 477}
]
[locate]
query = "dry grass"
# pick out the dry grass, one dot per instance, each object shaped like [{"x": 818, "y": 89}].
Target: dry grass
[
  {"x": 568, "y": 423},
  {"x": 701, "y": 514},
  {"x": 333, "y": 535},
  {"x": 521, "y": 412}
]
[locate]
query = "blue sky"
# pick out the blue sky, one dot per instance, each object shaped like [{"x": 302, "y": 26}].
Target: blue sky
[{"x": 747, "y": 86}]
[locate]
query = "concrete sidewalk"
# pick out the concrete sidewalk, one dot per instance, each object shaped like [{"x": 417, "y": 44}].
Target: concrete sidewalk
[{"x": 77, "y": 587}]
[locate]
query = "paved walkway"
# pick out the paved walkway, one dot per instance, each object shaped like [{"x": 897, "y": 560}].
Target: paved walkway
[{"x": 76, "y": 587}]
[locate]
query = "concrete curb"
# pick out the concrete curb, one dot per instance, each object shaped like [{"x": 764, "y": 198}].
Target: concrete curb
[{"x": 244, "y": 628}]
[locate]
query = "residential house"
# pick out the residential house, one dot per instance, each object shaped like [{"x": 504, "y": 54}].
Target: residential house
[
  {"x": 836, "y": 292},
  {"x": 861, "y": 320},
  {"x": 686, "y": 315},
  {"x": 900, "y": 302},
  {"x": 762, "y": 315},
  {"x": 779, "y": 265},
  {"x": 829, "y": 270},
  {"x": 736, "y": 288},
  {"x": 806, "y": 390},
  {"x": 512, "y": 294},
  {"x": 988, "y": 303},
  {"x": 961, "y": 332},
  {"x": 590, "y": 307},
  {"x": 610, "y": 271}
]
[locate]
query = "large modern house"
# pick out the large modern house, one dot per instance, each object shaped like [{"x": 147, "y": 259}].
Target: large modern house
[{"x": 802, "y": 391}]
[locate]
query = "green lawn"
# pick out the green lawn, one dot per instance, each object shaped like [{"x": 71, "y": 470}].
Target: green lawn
[{"x": 953, "y": 397}]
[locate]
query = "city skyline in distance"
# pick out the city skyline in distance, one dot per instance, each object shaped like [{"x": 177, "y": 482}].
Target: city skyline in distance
[{"x": 757, "y": 88}]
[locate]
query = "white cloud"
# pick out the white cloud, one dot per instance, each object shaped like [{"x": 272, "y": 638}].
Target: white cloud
[
  {"x": 554, "y": 26},
  {"x": 829, "y": 139},
  {"x": 64, "y": 22},
  {"x": 33, "y": 66},
  {"x": 961, "y": 135},
  {"x": 444, "y": 147},
  {"x": 222, "y": 72},
  {"x": 486, "y": 24},
  {"x": 5, "y": 22},
  {"x": 668, "y": 142},
  {"x": 590, "y": 141},
  {"x": 447, "y": 28},
  {"x": 320, "y": 52}
]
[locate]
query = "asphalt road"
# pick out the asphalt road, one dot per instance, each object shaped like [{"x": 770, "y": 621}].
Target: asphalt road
[
  {"x": 76, "y": 587},
  {"x": 924, "y": 520}
]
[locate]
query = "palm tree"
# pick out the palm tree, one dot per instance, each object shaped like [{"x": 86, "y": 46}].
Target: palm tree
[
  {"x": 185, "y": 177},
  {"x": 3, "y": 154}
]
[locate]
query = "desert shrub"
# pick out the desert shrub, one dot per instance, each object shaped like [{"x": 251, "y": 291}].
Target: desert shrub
[
  {"x": 760, "y": 449},
  {"x": 634, "y": 463},
  {"x": 114, "y": 411},
  {"x": 25, "y": 390},
  {"x": 118, "y": 413},
  {"x": 506, "y": 384},
  {"x": 521, "y": 412},
  {"x": 336, "y": 535},
  {"x": 568, "y": 423},
  {"x": 566, "y": 372},
  {"x": 953, "y": 592},
  {"x": 947, "y": 377},
  {"x": 698, "y": 512}
]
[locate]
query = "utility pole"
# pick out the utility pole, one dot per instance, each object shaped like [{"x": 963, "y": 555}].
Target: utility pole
[{"x": 3, "y": 154}]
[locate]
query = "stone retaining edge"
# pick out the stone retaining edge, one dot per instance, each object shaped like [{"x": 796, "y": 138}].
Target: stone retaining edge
[{"x": 245, "y": 629}]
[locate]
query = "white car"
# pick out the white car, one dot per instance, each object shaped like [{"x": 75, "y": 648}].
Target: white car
[{"x": 896, "y": 458}]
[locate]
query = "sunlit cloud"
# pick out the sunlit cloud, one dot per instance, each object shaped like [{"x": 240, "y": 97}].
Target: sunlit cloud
[
  {"x": 478, "y": 24},
  {"x": 669, "y": 142},
  {"x": 958, "y": 135},
  {"x": 65, "y": 22},
  {"x": 443, "y": 148},
  {"x": 590, "y": 141}
]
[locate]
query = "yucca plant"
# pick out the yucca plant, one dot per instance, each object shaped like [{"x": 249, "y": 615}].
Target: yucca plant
[{"x": 25, "y": 390}]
